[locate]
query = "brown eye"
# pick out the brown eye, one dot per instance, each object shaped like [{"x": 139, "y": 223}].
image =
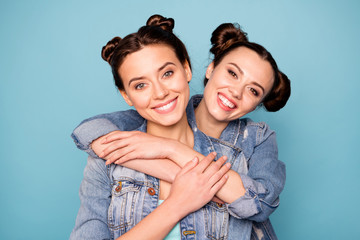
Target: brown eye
[
  {"x": 232, "y": 73},
  {"x": 253, "y": 91}
]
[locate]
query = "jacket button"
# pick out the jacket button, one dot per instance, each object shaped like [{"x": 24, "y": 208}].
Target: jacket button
[
  {"x": 118, "y": 188},
  {"x": 219, "y": 205},
  {"x": 151, "y": 191}
]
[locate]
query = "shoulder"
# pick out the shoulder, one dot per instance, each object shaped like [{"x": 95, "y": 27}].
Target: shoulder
[
  {"x": 118, "y": 116},
  {"x": 124, "y": 120},
  {"x": 256, "y": 132}
]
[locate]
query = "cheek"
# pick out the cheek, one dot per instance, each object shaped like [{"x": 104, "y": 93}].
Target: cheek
[
  {"x": 140, "y": 100},
  {"x": 251, "y": 104},
  {"x": 181, "y": 85},
  {"x": 219, "y": 81}
]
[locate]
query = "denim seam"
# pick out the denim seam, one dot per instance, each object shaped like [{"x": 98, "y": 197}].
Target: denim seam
[
  {"x": 227, "y": 144},
  {"x": 136, "y": 182}
]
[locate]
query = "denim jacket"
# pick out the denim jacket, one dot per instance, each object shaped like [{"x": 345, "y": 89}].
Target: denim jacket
[{"x": 115, "y": 198}]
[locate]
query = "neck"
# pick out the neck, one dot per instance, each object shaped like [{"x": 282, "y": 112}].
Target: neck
[
  {"x": 180, "y": 131},
  {"x": 206, "y": 123}
]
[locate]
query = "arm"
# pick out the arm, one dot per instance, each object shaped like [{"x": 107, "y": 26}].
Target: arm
[
  {"x": 97, "y": 126},
  {"x": 263, "y": 183},
  {"x": 95, "y": 195},
  {"x": 252, "y": 196},
  {"x": 93, "y": 128},
  {"x": 163, "y": 169},
  {"x": 193, "y": 187},
  {"x": 124, "y": 146}
]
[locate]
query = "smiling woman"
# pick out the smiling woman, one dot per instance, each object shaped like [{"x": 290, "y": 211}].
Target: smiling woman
[
  {"x": 237, "y": 85},
  {"x": 158, "y": 91},
  {"x": 151, "y": 69}
]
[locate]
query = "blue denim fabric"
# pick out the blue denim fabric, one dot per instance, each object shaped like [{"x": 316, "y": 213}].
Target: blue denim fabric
[{"x": 251, "y": 148}]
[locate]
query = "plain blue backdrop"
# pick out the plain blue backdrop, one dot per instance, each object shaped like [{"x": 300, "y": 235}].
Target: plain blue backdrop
[{"x": 52, "y": 77}]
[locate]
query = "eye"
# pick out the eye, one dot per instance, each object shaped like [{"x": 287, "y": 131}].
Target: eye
[
  {"x": 253, "y": 91},
  {"x": 232, "y": 73},
  {"x": 139, "y": 86},
  {"x": 168, "y": 74}
]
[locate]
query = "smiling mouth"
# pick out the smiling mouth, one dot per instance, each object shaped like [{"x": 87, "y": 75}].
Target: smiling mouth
[
  {"x": 226, "y": 101},
  {"x": 167, "y": 107}
]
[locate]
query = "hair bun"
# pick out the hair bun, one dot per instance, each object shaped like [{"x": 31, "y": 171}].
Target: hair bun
[
  {"x": 280, "y": 94},
  {"x": 225, "y": 35},
  {"x": 166, "y": 24},
  {"x": 108, "y": 50}
]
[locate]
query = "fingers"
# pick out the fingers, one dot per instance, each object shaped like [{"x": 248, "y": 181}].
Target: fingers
[
  {"x": 120, "y": 156},
  {"x": 189, "y": 166},
  {"x": 219, "y": 184},
  {"x": 216, "y": 175},
  {"x": 205, "y": 162},
  {"x": 117, "y": 135},
  {"x": 112, "y": 147}
]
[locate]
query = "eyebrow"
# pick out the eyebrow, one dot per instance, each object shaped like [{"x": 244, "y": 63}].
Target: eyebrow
[
  {"x": 242, "y": 72},
  {"x": 159, "y": 69}
]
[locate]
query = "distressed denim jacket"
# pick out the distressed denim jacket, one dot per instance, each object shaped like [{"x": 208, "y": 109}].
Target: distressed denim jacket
[{"x": 115, "y": 198}]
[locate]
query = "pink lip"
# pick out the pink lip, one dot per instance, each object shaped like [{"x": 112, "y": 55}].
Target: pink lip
[
  {"x": 224, "y": 107},
  {"x": 164, "y": 111}
]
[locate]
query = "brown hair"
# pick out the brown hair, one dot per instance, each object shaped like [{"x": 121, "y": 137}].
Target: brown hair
[
  {"x": 226, "y": 38},
  {"x": 158, "y": 30}
]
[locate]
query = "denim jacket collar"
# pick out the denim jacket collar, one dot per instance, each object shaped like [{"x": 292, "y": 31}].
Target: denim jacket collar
[{"x": 229, "y": 135}]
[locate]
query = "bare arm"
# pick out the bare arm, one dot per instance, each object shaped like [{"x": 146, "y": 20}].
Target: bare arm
[
  {"x": 163, "y": 169},
  {"x": 125, "y": 146}
]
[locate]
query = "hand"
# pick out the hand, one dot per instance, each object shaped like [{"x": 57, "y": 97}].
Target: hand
[
  {"x": 197, "y": 183},
  {"x": 122, "y": 146}
]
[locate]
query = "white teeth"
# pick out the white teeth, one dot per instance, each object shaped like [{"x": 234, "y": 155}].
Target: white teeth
[
  {"x": 225, "y": 101},
  {"x": 167, "y": 106}
]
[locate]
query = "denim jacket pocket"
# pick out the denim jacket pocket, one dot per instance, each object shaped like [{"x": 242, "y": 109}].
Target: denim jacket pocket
[
  {"x": 216, "y": 221},
  {"x": 125, "y": 201}
]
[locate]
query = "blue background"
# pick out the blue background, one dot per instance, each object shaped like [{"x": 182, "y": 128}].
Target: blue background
[{"x": 52, "y": 77}]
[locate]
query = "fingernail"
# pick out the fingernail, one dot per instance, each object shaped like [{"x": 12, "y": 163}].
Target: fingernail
[
  {"x": 214, "y": 153},
  {"x": 195, "y": 159},
  {"x": 226, "y": 176},
  {"x": 107, "y": 163}
]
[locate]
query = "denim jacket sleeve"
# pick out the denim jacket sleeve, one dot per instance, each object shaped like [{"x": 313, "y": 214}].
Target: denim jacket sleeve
[
  {"x": 264, "y": 181},
  {"x": 95, "y": 197},
  {"x": 92, "y": 128}
]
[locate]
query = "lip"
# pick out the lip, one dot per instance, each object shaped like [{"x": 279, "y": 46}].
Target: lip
[
  {"x": 222, "y": 105},
  {"x": 166, "y": 107}
]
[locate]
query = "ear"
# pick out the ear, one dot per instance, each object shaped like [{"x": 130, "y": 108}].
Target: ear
[
  {"x": 126, "y": 97},
  {"x": 188, "y": 71},
  {"x": 209, "y": 70}
]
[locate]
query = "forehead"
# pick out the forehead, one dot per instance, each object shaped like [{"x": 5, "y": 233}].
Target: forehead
[
  {"x": 148, "y": 59},
  {"x": 244, "y": 54}
]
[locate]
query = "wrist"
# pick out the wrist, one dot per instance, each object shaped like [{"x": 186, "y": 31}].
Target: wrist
[
  {"x": 176, "y": 209},
  {"x": 172, "y": 150}
]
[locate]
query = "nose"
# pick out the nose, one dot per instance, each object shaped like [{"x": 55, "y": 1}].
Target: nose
[
  {"x": 236, "y": 91},
  {"x": 159, "y": 91}
]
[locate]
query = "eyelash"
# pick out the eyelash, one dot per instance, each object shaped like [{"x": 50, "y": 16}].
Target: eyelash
[
  {"x": 253, "y": 91},
  {"x": 232, "y": 73},
  {"x": 137, "y": 86},
  {"x": 140, "y": 86},
  {"x": 168, "y": 73}
]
